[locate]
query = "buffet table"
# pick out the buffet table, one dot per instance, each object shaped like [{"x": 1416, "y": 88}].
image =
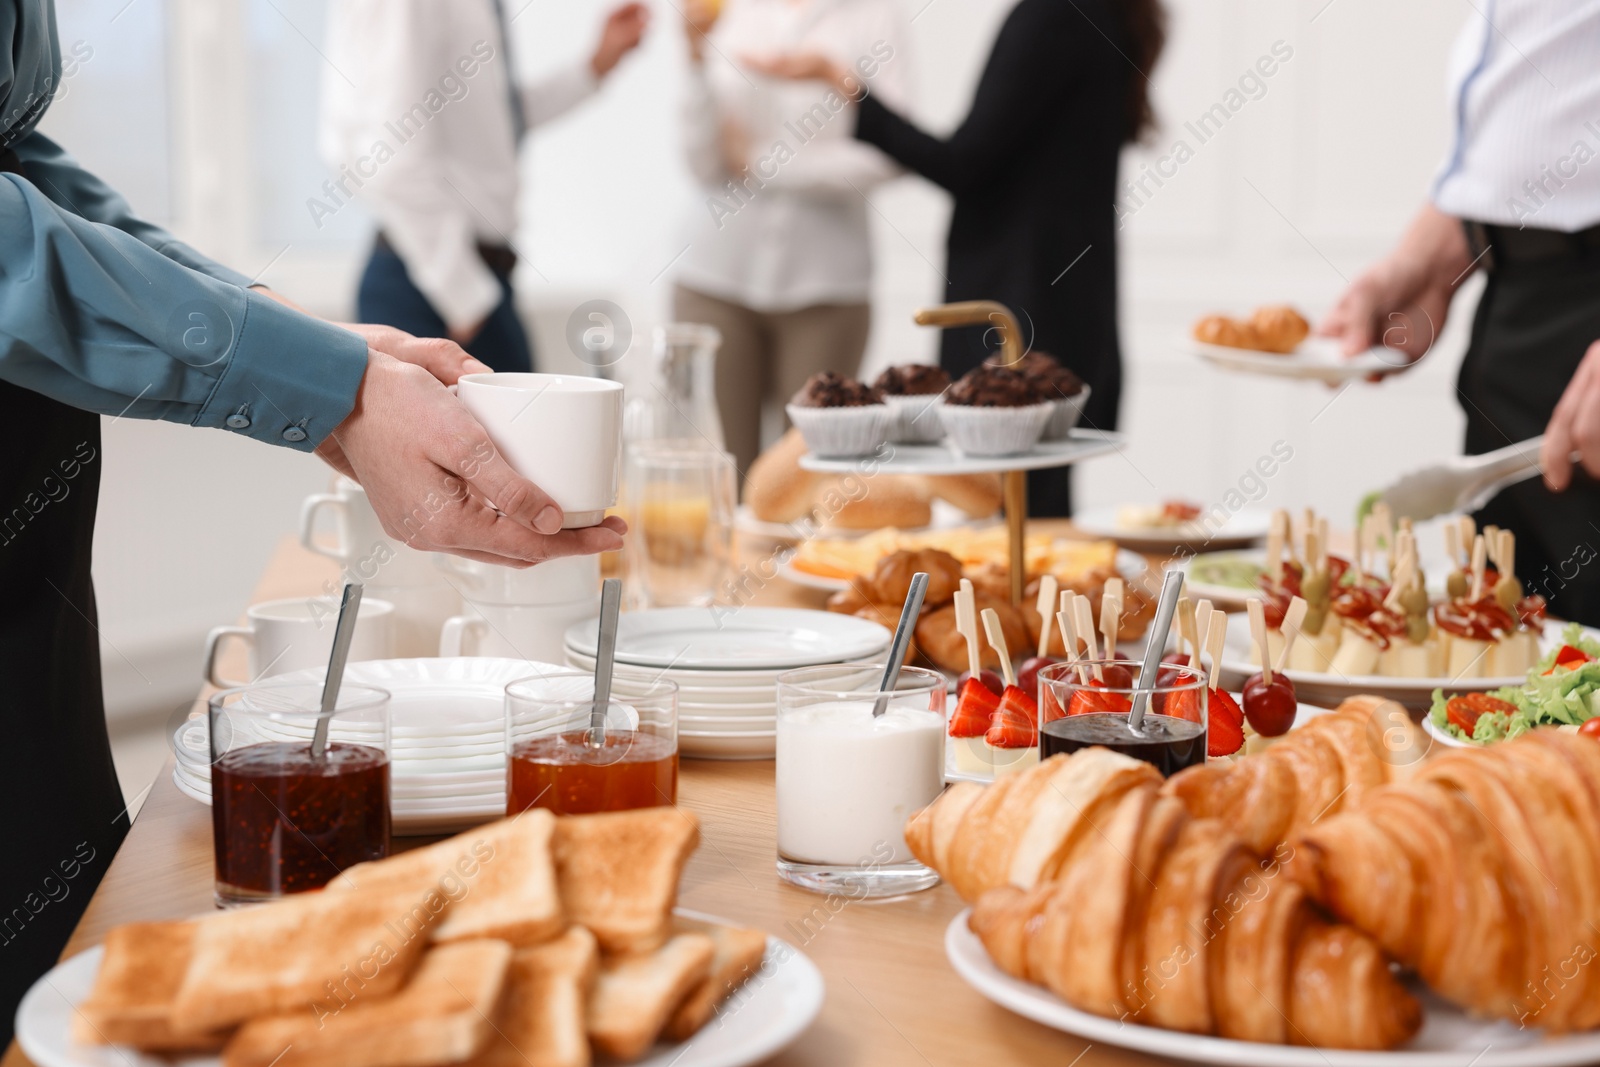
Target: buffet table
[{"x": 891, "y": 996}]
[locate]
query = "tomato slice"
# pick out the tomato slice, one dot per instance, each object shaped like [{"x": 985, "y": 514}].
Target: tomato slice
[
  {"x": 1591, "y": 728},
  {"x": 1465, "y": 710},
  {"x": 1569, "y": 658}
]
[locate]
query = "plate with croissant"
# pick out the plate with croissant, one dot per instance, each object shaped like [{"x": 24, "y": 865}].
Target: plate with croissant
[
  {"x": 1275, "y": 340},
  {"x": 1341, "y": 899}
]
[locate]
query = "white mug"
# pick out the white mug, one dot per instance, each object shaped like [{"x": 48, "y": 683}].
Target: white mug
[
  {"x": 293, "y": 634},
  {"x": 563, "y": 432},
  {"x": 368, "y": 555},
  {"x": 515, "y": 631}
]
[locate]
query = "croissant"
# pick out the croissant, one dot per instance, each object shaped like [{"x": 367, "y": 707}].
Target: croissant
[
  {"x": 1279, "y": 328},
  {"x": 1326, "y": 766},
  {"x": 1480, "y": 874},
  {"x": 1123, "y": 904}
]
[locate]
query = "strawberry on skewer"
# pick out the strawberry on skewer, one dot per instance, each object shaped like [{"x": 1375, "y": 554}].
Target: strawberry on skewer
[{"x": 1015, "y": 724}]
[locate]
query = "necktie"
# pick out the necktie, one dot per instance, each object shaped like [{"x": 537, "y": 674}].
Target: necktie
[{"x": 519, "y": 120}]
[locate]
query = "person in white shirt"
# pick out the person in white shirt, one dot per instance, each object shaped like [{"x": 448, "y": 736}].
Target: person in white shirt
[
  {"x": 1518, "y": 197},
  {"x": 779, "y": 257},
  {"x": 421, "y": 116}
]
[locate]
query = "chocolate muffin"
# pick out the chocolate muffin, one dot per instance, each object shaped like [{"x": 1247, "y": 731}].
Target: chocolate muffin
[
  {"x": 840, "y": 417},
  {"x": 912, "y": 379},
  {"x": 830, "y": 390},
  {"x": 995, "y": 411},
  {"x": 988, "y": 386},
  {"x": 1051, "y": 378}
]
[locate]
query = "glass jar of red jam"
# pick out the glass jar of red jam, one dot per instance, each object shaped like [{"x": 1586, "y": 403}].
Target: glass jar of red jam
[{"x": 286, "y": 815}]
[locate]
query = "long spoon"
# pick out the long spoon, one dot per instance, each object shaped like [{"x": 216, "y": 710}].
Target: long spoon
[
  {"x": 604, "y": 658},
  {"x": 343, "y": 633},
  {"x": 1171, "y": 590},
  {"x": 902, "y": 641}
]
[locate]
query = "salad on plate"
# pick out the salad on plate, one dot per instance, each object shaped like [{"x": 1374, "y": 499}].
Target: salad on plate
[{"x": 1563, "y": 689}]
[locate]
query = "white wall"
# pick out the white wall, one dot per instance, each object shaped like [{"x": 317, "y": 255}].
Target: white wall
[{"x": 1300, "y": 188}]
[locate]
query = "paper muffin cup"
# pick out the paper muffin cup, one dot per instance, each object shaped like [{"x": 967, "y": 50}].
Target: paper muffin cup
[
  {"x": 840, "y": 433},
  {"x": 995, "y": 431},
  {"x": 1068, "y": 410},
  {"x": 916, "y": 418}
]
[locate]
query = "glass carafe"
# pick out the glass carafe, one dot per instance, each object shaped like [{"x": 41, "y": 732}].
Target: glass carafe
[{"x": 676, "y": 404}]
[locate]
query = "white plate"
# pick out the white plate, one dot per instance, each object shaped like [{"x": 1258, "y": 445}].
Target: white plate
[
  {"x": 460, "y": 698},
  {"x": 1242, "y": 528},
  {"x": 946, "y": 516},
  {"x": 1443, "y": 737},
  {"x": 1449, "y": 1037},
  {"x": 781, "y": 999},
  {"x": 944, "y": 458},
  {"x": 726, "y": 746},
  {"x": 1317, "y": 359},
  {"x": 1224, "y": 596},
  {"x": 742, "y": 639},
  {"x": 730, "y": 682},
  {"x": 1328, "y": 689},
  {"x": 1130, "y": 565}
]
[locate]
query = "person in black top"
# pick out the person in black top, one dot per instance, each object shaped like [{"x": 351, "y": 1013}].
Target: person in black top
[{"x": 1033, "y": 169}]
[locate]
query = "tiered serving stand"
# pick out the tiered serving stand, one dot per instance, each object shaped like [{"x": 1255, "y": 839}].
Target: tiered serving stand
[{"x": 942, "y": 458}]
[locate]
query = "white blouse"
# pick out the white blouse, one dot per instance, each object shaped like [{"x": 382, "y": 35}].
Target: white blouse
[{"x": 795, "y": 232}]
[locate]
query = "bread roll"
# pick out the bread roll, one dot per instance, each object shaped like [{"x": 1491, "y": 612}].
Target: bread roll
[
  {"x": 888, "y": 501},
  {"x": 776, "y": 489},
  {"x": 978, "y": 495}
]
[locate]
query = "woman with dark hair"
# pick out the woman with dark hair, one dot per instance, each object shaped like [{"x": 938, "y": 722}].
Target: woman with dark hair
[{"x": 1033, "y": 169}]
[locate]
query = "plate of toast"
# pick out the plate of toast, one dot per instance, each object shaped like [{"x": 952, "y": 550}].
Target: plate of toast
[{"x": 536, "y": 939}]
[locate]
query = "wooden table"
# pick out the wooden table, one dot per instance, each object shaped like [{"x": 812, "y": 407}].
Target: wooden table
[{"x": 892, "y": 998}]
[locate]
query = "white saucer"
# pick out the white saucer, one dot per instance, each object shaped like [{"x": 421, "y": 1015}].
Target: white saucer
[{"x": 740, "y": 639}]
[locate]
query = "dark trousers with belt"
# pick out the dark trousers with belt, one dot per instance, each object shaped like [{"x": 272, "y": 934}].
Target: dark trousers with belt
[
  {"x": 1537, "y": 317},
  {"x": 389, "y": 297},
  {"x": 62, "y": 805}
]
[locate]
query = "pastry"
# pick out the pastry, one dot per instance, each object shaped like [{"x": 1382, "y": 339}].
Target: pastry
[
  {"x": 1221, "y": 330},
  {"x": 914, "y": 392},
  {"x": 891, "y": 581},
  {"x": 879, "y": 501},
  {"x": 938, "y": 640},
  {"x": 978, "y": 495},
  {"x": 776, "y": 489},
  {"x": 995, "y": 411},
  {"x": 1088, "y": 881},
  {"x": 1279, "y": 328},
  {"x": 840, "y": 417}
]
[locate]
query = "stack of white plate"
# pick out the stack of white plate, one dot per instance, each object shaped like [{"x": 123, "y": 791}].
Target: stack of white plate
[
  {"x": 447, "y": 738},
  {"x": 726, "y": 662}
]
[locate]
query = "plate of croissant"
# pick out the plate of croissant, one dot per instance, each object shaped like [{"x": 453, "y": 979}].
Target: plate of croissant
[
  {"x": 1276, "y": 340},
  {"x": 1345, "y": 898}
]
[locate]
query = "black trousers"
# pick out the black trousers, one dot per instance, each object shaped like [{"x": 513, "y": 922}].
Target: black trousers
[
  {"x": 63, "y": 810},
  {"x": 1533, "y": 325}
]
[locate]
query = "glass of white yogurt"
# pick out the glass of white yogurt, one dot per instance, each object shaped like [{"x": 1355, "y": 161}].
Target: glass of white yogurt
[{"x": 848, "y": 779}]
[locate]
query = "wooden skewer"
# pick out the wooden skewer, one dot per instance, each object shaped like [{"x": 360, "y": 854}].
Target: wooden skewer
[
  {"x": 967, "y": 624},
  {"x": 1285, "y": 530},
  {"x": 1069, "y": 635},
  {"x": 1202, "y": 627},
  {"x": 1322, "y": 542},
  {"x": 1467, "y": 530},
  {"x": 1508, "y": 554},
  {"x": 1186, "y": 629},
  {"x": 1258, "y": 630},
  {"x": 1083, "y": 618},
  {"x": 1291, "y": 631},
  {"x": 1480, "y": 559},
  {"x": 997, "y": 641},
  {"x": 1047, "y": 600},
  {"x": 1275, "y": 552},
  {"x": 1110, "y": 622},
  {"x": 1452, "y": 543},
  {"x": 1216, "y": 634},
  {"x": 1114, "y": 587}
]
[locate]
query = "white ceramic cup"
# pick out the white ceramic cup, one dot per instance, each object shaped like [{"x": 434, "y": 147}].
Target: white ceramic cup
[
  {"x": 512, "y": 631},
  {"x": 362, "y": 548},
  {"x": 519, "y": 614},
  {"x": 291, "y": 635},
  {"x": 563, "y": 432}
]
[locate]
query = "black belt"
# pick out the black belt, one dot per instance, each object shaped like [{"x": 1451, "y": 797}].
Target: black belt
[
  {"x": 1503, "y": 246},
  {"x": 498, "y": 258}
]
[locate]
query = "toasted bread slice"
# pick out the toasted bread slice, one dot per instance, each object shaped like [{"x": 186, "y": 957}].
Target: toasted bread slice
[
  {"x": 635, "y": 995},
  {"x": 315, "y": 948},
  {"x": 738, "y": 953},
  {"x": 500, "y": 878},
  {"x": 442, "y": 1015},
  {"x": 131, "y": 1002},
  {"x": 541, "y": 1020},
  {"x": 618, "y": 873}
]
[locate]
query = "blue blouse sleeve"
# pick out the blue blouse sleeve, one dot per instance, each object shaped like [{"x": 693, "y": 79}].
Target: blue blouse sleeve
[
  {"x": 63, "y": 180},
  {"x": 104, "y": 312}
]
